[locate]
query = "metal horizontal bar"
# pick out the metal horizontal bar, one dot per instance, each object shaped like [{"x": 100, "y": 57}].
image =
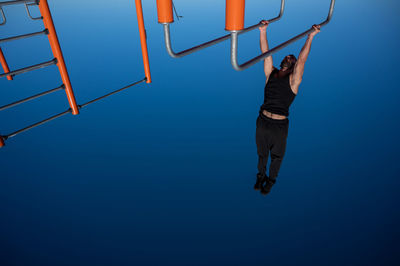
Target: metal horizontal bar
[
  {"x": 111, "y": 93},
  {"x": 16, "y": 2},
  {"x": 45, "y": 31},
  {"x": 234, "y": 44},
  {"x": 183, "y": 53},
  {"x": 31, "y": 68},
  {"x": 31, "y": 98},
  {"x": 37, "y": 124}
]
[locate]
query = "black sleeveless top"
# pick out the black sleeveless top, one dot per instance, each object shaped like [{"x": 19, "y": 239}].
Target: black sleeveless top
[{"x": 278, "y": 96}]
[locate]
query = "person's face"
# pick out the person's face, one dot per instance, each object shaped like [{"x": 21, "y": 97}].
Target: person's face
[{"x": 288, "y": 61}]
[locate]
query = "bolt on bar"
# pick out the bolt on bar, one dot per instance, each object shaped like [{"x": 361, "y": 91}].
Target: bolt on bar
[
  {"x": 43, "y": 32},
  {"x": 31, "y": 98},
  {"x": 163, "y": 19},
  {"x": 5, "y": 65},
  {"x": 143, "y": 39},
  {"x": 55, "y": 47},
  {"x": 31, "y": 68},
  {"x": 234, "y": 44}
]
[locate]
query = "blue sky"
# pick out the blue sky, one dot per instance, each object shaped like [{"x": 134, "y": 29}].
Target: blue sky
[{"x": 162, "y": 174}]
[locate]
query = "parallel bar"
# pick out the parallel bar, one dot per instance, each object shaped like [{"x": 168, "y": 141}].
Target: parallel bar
[
  {"x": 31, "y": 98},
  {"x": 55, "y": 47},
  {"x": 143, "y": 40},
  {"x": 23, "y": 36},
  {"x": 36, "y": 124},
  {"x": 31, "y": 68},
  {"x": 234, "y": 44},
  {"x": 170, "y": 51},
  {"x": 111, "y": 93},
  {"x": 16, "y": 2},
  {"x": 4, "y": 64}
]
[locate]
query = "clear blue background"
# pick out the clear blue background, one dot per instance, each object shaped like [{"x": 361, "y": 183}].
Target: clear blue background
[{"x": 162, "y": 174}]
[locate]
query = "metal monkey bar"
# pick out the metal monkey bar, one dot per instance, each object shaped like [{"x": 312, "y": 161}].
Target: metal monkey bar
[
  {"x": 165, "y": 17},
  {"x": 234, "y": 43}
]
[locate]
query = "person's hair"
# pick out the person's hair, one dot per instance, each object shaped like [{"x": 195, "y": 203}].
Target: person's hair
[{"x": 294, "y": 63}]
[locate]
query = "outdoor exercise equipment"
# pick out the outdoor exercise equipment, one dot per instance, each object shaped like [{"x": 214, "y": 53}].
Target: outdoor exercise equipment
[
  {"x": 234, "y": 23},
  {"x": 59, "y": 61}
]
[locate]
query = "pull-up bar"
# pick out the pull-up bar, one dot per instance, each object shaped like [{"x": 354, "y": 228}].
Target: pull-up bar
[
  {"x": 235, "y": 27},
  {"x": 165, "y": 17}
]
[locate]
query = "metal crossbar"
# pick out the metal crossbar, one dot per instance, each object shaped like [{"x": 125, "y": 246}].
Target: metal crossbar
[
  {"x": 30, "y": 68},
  {"x": 23, "y": 36},
  {"x": 31, "y": 98},
  {"x": 5, "y": 137}
]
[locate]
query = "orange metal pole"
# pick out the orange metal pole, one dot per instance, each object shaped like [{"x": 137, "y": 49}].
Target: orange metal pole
[
  {"x": 55, "y": 47},
  {"x": 143, "y": 39},
  {"x": 164, "y": 11},
  {"x": 234, "y": 19},
  {"x": 4, "y": 64}
]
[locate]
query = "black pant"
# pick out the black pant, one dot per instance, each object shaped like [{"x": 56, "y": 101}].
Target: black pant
[{"x": 271, "y": 135}]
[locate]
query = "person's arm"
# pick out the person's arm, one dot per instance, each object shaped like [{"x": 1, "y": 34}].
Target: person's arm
[
  {"x": 268, "y": 65},
  {"x": 298, "y": 71}
]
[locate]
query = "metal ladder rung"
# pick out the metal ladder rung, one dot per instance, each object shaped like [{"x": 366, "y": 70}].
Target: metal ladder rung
[
  {"x": 23, "y": 36},
  {"x": 36, "y": 124},
  {"x": 31, "y": 98},
  {"x": 31, "y": 68}
]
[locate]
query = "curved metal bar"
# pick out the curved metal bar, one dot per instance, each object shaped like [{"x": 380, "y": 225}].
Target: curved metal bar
[
  {"x": 234, "y": 44},
  {"x": 3, "y": 17},
  {"x": 29, "y": 13},
  {"x": 183, "y": 53}
]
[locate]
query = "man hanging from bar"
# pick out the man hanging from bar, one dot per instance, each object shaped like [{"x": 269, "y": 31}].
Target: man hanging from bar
[{"x": 272, "y": 123}]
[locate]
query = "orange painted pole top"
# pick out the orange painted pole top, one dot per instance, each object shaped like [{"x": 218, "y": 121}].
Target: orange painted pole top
[
  {"x": 234, "y": 18},
  {"x": 164, "y": 11},
  {"x": 4, "y": 64},
  {"x": 143, "y": 40}
]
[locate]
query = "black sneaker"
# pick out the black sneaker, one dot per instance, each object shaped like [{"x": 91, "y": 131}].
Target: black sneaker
[
  {"x": 260, "y": 181},
  {"x": 267, "y": 188}
]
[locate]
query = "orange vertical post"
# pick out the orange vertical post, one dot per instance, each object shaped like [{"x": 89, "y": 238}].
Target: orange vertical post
[
  {"x": 234, "y": 19},
  {"x": 55, "y": 47},
  {"x": 5, "y": 65},
  {"x": 143, "y": 40},
  {"x": 164, "y": 11}
]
